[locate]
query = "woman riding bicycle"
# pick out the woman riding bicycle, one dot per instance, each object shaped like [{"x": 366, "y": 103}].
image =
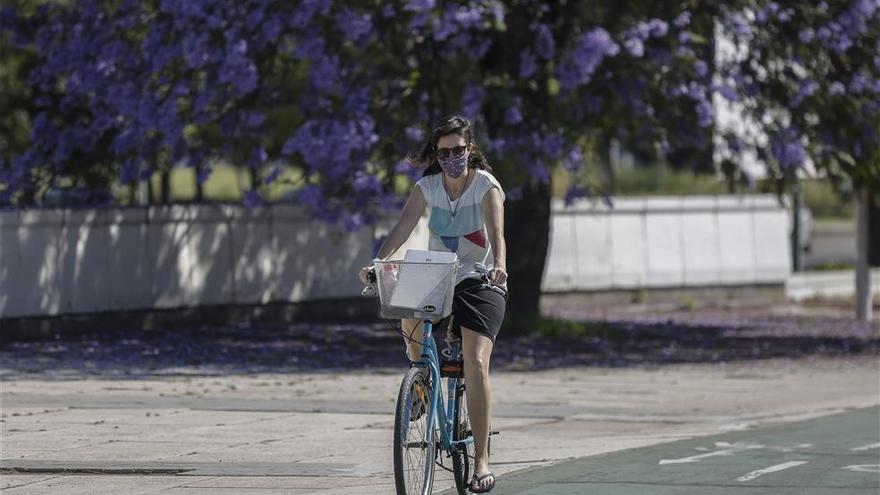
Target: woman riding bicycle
[{"x": 467, "y": 218}]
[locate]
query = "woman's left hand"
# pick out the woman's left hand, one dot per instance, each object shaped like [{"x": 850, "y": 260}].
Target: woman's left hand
[{"x": 498, "y": 275}]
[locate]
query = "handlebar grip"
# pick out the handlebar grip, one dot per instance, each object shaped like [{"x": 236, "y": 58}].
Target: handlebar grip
[{"x": 481, "y": 268}]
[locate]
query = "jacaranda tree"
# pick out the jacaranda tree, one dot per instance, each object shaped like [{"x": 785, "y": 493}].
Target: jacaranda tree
[{"x": 343, "y": 90}]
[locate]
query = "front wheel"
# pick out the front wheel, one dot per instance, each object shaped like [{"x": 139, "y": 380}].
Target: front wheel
[
  {"x": 463, "y": 457},
  {"x": 414, "y": 448}
]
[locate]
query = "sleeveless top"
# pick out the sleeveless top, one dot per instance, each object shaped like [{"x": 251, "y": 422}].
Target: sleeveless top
[{"x": 458, "y": 226}]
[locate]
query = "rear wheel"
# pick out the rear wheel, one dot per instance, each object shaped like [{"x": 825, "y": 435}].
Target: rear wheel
[
  {"x": 463, "y": 457},
  {"x": 414, "y": 448}
]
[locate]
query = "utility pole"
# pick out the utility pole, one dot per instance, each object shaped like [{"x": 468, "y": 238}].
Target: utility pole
[
  {"x": 863, "y": 269},
  {"x": 797, "y": 200}
]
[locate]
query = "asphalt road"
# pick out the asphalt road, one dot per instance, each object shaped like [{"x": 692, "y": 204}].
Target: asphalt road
[{"x": 838, "y": 454}]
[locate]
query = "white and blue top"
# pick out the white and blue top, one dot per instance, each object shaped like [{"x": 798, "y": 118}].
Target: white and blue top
[{"x": 458, "y": 226}]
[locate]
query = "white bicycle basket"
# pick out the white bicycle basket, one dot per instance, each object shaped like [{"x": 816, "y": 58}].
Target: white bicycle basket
[{"x": 421, "y": 289}]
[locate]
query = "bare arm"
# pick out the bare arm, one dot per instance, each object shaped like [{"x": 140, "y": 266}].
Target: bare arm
[
  {"x": 493, "y": 212},
  {"x": 409, "y": 217}
]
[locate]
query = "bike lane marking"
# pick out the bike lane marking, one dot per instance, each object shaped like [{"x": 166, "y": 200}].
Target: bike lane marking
[
  {"x": 863, "y": 468},
  {"x": 772, "y": 469},
  {"x": 866, "y": 447},
  {"x": 777, "y": 455}
]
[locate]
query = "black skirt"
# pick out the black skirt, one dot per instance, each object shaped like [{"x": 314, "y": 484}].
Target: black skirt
[{"x": 480, "y": 309}]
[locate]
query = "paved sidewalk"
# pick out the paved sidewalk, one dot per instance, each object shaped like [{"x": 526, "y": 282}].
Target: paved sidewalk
[{"x": 326, "y": 433}]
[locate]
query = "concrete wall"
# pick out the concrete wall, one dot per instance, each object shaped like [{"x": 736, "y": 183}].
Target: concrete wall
[
  {"x": 668, "y": 242},
  {"x": 81, "y": 261}
]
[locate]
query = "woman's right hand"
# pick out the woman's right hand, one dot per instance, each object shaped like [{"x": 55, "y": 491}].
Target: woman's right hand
[{"x": 364, "y": 274}]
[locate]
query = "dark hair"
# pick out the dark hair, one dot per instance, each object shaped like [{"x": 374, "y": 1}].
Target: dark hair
[{"x": 452, "y": 124}]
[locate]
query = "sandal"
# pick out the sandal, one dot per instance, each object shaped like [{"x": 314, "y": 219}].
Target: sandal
[
  {"x": 474, "y": 486},
  {"x": 418, "y": 405}
]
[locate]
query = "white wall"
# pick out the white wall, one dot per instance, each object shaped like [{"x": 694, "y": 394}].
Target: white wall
[
  {"x": 79, "y": 261},
  {"x": 655, "y": 242}
]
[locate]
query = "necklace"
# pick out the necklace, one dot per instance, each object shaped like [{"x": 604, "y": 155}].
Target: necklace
[{"x": 454, "y": 209}]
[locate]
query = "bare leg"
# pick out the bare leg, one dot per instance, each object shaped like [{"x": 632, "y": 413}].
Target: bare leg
[
  {"x": 477, "y": 349},
  {"x": 412, "y": 329}
]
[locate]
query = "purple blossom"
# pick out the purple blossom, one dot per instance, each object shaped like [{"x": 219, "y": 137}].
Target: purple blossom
[
  {"x": 787, "y": 149},
  {"x": 634, "y": 47},
  {"x": 129, "y": 172},
  {"x": 806, "y": 35},
  {"x": 472, "y": 101},
  {"x": 658, "y": 28},
  {"x": 252, "y": 199},
  {"x": 806, "y": 88},
  {"x": 514, "y": 193},
  {"x": 419, "y": 5},
  {"x": 538, "y": 170},
  {"x": 836, "y": 88},
  {"x": 257, "y": 156},
  {"x": 585, "y": 56},
  {"x": 325, "y": 73},
  {"x": 575, "y": 192},
  {"x": 701, "y": 68},
  {"x": 415, "y": 133},
  {"x": 409, "y": 170},
  {"x": 512, "y": 116},
  {"x": 739, "y": 24},
  {"x": 573, "y": 160},
  {"x": 727, "y": 92},
  {"x": 527, "y": 66},
  {"x": 355, "y": 26},
  {"x": 545, "y": 45},
  {"x": 859, "y": 83},
  {"x": 705, "y": 113},
  {"x": 682, "y": 20},
  {"x": 785, "y": 15},
  {"x": 307, "y": 10},
  {"x": 366, "y": 183},
  {"x": 273, "y": 175},
  {"x": 734, "y": 144},
  {"x": 552, "y": 145}
]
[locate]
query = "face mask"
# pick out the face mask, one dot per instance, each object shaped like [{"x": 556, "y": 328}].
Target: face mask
[{"x": 454, "y": 166}]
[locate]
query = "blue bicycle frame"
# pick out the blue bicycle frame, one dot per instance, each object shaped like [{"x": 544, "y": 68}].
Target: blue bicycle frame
[{"x": 431, "y": 360}]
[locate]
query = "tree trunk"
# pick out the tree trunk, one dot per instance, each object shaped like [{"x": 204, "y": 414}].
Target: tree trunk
[
  {"x": 150, "y": 194},
  {"x": 527, "y": 232},
  {"x": 165, "y": 187},
  {"x": 863, "y": 270},
  {"x": 200, "y": 188}
]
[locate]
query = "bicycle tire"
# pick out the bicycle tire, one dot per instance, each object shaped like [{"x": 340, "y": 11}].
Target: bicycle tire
[
  {"x": 413, "y": 458},
  {"x": 462, "y": 459}
]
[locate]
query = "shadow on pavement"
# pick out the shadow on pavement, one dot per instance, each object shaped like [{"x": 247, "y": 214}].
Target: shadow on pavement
[{"x": 608, "y": 341}]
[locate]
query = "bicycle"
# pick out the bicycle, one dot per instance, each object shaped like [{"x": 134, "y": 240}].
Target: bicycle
[{"x": 423, "y": 425}]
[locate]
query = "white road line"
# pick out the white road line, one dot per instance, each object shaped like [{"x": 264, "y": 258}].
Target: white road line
[
  {"x": 771, "y": 469},
  {"x": 734, "y": 449},
  {"x": 866, "y": 447},
  {"x": 864, "y": 468}
]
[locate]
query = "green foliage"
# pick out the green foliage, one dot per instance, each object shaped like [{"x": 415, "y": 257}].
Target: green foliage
[
  {"x": 645, "y": 180},
  {"x": 824, "y": 202}
]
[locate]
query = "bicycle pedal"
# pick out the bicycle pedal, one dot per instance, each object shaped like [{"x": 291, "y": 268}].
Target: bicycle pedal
[{"x": 452, "y": 369}]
